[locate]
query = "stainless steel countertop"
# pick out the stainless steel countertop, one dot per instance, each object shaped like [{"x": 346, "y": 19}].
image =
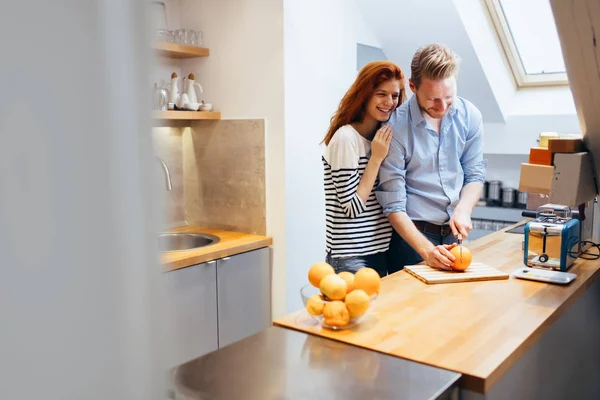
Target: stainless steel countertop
[{"x": 280, "y": 363}]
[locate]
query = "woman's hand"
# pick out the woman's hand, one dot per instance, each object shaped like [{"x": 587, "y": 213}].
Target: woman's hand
[{"x": 381, "y": 143}]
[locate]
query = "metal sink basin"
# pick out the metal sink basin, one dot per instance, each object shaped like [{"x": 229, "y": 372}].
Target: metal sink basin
[{"x": 177, "y": 241}]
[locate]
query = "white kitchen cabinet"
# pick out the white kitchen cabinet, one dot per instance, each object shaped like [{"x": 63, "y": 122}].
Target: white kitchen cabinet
[
  {"x": 244, "y": 295},
  {"x": 191, "y": 307}
]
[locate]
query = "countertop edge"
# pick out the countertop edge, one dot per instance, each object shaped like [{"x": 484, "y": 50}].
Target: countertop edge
[
  {"x": 226, "y": 248},
  {"x": 520, "y": 351},
  {"x": 231, "y": 251}
]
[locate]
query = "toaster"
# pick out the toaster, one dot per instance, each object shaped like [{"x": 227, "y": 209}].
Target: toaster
[{"x": 552, "y": 238}]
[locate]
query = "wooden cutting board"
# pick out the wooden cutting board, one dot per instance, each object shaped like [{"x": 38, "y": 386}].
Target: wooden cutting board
[{"x": 476, "y": 272}]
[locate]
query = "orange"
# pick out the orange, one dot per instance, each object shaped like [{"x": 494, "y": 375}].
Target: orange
[
  {"x": 335, "y": 313},
  {"x": 318, "y": 271},
  {"x": 315, "y": 305},
  {"x": 368, "y": 280},
  {"x": 333, "y": 287},
  {"x": 357, "y": 302},
  {"x": 349, "y": 278},
  {"x": 467, "y": 257}
]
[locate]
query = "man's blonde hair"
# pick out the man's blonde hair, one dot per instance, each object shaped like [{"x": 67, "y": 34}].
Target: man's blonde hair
[{"x": 434, "y": 61}]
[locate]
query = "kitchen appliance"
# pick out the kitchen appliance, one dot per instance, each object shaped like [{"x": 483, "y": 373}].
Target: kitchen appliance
[
  {"x": 552, "y": 238},
  {"x": 484, "y": 193},
  {"x": 174, "y": 95},
  {"x": 494, "y": 194},
  {"x": 544, "y": 275},
  {"x": 508, "y": 197},
  {"x": 521, "y": 200},
  {"x": 190, "y": 89}
]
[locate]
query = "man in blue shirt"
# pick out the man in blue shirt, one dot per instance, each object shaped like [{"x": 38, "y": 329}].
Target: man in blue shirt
[{"x": 434, "y": 172}]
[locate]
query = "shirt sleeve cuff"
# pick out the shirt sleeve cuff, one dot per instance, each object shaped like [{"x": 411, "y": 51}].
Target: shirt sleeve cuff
[
  {"x": 358, "y": 205},
  {"x": 391, "y": 202},
  {"x": 476, "y": 172}
]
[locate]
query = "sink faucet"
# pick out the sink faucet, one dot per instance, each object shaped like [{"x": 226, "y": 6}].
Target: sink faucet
[{"x": 167, "y": 173}]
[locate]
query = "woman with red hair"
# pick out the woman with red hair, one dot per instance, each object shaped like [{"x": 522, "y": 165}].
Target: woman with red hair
[{"x": 358, "y": 233}]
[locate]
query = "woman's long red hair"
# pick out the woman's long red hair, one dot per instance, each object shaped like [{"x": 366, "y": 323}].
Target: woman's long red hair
[{"x": 352, "y": 106}]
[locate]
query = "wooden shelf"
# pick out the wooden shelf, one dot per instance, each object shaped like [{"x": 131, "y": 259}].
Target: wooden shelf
[
  {"x": 186, "y": 115},
  {"x": 181, "y": 51}
]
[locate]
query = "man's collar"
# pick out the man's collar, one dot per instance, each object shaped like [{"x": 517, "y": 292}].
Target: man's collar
[
  {"x": 415, "y": 111},
  {"x": 452, "y": 109}
]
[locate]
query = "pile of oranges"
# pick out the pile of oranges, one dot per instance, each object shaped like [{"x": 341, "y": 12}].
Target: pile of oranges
[{"x": 344, "y": 296}]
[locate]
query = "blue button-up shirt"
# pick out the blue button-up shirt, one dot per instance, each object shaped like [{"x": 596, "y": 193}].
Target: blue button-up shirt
[{"x": 424, "y": 171}]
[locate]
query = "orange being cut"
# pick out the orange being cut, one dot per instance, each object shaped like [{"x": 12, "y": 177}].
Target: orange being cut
[{"x": 461, "y": 263}]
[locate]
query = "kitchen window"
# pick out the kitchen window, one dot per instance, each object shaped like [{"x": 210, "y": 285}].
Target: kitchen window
[{"x": 530, "y": 41}]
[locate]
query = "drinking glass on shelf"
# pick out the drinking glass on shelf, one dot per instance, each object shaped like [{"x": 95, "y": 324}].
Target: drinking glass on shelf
[
  {"x": 179, "y": 36},
  {"x": 189, "y": 37},
  {"x": 163, "y": 35},
  {"x": 199, "y": 38}
]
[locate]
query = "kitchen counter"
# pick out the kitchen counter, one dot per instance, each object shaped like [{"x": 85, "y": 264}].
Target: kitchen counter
[
  {"x": 231, "y": 243},
  {"x": 284, "y": 364},
  {"x": 487, "y": 330}
]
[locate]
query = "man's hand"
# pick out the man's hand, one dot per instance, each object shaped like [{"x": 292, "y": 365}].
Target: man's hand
[
  {"x": 461, "y": 223},
  {"x": 440, "y": 257}
]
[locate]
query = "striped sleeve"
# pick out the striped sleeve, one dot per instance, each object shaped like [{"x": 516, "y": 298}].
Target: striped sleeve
[{"x": 344, "y": 163}]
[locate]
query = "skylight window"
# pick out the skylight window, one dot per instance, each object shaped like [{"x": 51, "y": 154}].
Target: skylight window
[{"x": 530, "y": 40}]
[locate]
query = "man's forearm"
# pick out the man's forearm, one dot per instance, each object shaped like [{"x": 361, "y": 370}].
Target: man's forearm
[
  {"x": 409, "y": 232},
  {"x": 469, "y": 196}
]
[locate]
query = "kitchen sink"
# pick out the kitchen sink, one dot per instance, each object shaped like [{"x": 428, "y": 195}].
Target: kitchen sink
[{"x": 176, "y": 241}]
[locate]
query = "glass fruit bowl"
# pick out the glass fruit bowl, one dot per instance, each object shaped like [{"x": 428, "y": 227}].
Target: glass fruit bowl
[{"x": 338, "y": 314}]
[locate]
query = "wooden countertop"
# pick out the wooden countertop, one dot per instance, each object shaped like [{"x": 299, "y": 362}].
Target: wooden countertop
[
  {"x": 479, "y": 329},
  {"x": 231, "y": 243}
]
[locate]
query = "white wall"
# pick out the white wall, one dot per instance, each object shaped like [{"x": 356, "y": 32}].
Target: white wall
[
  {"x": 520, "y": 132},
  {"x": 243, "y": 78},
  {"x": 505, "y": 168},
  {"x": 320, "y": 65}
]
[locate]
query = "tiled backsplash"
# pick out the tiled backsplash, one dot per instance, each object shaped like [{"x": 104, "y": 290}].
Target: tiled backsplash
[{"x": 218, "y": 174}]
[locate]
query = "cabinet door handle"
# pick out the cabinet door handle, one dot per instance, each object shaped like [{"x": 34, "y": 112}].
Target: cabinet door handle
[
  {"x": 211, "y": 262},
  {"x": 225, "y": 258}
]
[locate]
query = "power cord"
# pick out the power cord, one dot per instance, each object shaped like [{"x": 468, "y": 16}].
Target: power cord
[{"x": 586, "y": 255}]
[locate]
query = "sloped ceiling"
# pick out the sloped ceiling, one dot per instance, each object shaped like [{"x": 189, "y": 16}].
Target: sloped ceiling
[{"x": 404, "y": 26}]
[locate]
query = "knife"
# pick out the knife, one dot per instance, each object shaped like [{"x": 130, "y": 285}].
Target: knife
[{"x": 459, "y": 241}]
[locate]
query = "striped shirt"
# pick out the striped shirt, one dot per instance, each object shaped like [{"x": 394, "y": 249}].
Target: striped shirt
[{"x": 353, "y": 227}]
